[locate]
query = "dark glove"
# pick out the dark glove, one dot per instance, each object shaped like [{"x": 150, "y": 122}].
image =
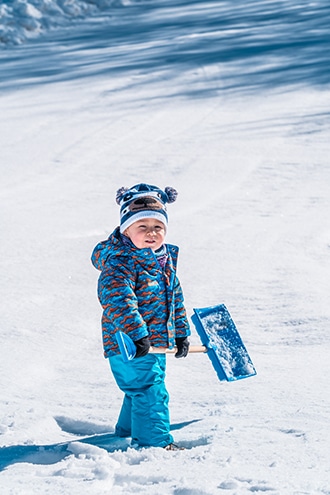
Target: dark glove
[
  {"x": 182, "y": 344},
  {"x": 142, "y": 347}
]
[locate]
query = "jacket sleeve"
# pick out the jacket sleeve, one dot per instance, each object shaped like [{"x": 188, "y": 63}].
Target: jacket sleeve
[
  {"x": 100, "y": 254},
  {"x": 182, "y": 328},
  {"x": 119, "y": 302}
]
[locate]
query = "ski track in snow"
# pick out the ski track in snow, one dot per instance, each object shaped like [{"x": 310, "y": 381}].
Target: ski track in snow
[{"x": 229, "y": 103}]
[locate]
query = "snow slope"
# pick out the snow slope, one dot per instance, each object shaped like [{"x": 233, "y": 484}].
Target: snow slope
[{"x": 229, "y": 103}]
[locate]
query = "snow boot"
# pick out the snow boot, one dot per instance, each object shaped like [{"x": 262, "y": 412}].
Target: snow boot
[{"x": 173, "y": 446}]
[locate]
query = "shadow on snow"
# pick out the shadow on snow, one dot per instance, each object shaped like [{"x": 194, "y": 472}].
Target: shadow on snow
[
  {"x": 233, "y": 44},
  {"x": 51, "y": 454}
]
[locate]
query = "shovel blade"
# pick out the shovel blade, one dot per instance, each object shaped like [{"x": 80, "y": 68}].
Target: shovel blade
[{"x": 226, "y": 350}]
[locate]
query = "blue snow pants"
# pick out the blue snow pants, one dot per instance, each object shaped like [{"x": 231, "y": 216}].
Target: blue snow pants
[{"x": 144, "y": 414}]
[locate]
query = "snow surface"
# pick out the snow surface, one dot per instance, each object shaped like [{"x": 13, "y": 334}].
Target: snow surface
[{"x": 228, "y": 101}]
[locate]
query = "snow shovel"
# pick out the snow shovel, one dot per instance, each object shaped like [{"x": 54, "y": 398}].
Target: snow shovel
[
  {"x": 221, "y": 341},
  {"x": 226, "y": 350}
]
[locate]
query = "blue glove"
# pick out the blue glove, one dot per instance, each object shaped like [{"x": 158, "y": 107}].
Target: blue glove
[{"x": 182, "y": 344}]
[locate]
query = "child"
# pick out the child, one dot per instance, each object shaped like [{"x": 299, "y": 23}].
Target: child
[{"x": 141, "y": 296}]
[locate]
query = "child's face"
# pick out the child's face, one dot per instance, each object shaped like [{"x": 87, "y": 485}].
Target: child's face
[{"x": 147, "y": 232}]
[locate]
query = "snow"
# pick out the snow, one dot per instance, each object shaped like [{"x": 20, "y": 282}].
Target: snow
[
  {"x": 229, "y": 103},
  {"x": 24, "y": 19}
]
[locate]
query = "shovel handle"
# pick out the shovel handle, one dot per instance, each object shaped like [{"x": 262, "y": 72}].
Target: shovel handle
[
  {"x": 165, "y": 350},
  {"x": 128, "y": 349}
]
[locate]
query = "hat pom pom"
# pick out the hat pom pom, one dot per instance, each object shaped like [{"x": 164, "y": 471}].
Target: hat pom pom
[
  {"x": 120, "y": 193},
  {"x": 172, "y": 194}
]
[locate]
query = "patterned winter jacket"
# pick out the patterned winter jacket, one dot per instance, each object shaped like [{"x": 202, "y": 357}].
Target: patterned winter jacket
[{"x": 137, "y": 295}]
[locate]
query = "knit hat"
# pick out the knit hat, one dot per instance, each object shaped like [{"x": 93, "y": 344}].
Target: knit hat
[{"x": 143, "y": 201}]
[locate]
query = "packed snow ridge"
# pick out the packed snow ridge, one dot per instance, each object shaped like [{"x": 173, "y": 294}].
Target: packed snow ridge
[{"x": 23, "y": 19}]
